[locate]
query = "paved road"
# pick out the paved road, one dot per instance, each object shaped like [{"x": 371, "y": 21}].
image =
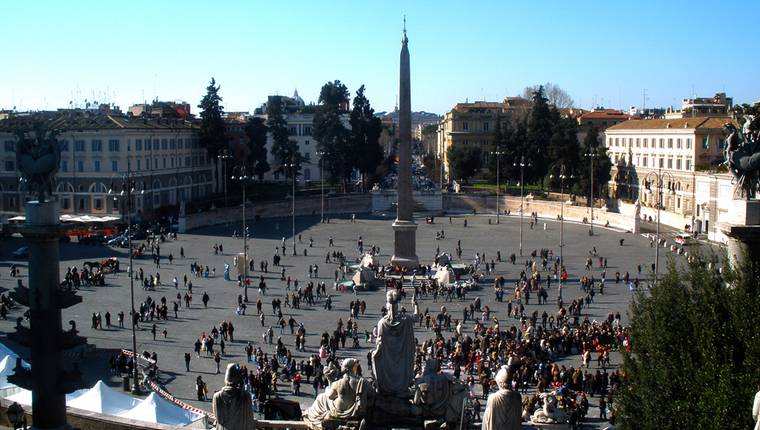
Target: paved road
[{"x": 479, "y": 236}]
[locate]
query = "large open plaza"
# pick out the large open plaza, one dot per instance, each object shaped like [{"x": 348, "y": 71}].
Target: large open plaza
[{"x": 480, "y": 235}]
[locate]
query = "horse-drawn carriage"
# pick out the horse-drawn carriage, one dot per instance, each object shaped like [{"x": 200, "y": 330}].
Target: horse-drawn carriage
[{"x": 108, "y": 265}]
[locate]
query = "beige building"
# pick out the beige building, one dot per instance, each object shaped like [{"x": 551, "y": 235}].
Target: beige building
[
  {"x": 97, "y": 149},
  {"x": 640, "y": 149},
  {"x": 473, "y": 124},
  {"x": 717, "y": 105}
]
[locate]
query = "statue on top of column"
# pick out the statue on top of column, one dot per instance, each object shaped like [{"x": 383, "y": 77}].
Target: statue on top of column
[
  {"x": 742, "y": 154},
  {"x": 38, "y": 158}
]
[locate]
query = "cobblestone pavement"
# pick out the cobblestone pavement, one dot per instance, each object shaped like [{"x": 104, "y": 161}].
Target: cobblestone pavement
[{"x": 478, "y": 236}]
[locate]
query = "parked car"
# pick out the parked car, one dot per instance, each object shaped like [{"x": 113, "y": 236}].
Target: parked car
[
  {"x": 93, "y": 239},
  {"x": 683, "y": 239},
  {"x": 121, "y": 241},
  {"x": 21, "y": 253}
]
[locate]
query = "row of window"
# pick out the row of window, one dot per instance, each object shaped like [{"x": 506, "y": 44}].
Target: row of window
[
  {"x": 466, "y": 126},
  {"x": 643, "y": 161},
  {"x": 639, "y": 142},
  {"x": 166, "y": 163},
  {"x": 114, "y": 145},
  {"x": 305, "y": 130},
  {"x": 164, "y": 144}
]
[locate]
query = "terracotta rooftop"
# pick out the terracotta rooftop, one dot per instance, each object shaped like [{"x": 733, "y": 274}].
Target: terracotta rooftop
[
  {"x": 679, "y": 123},
  {"x": 604, "y": 114},
  {"x": 79, "y": 120}
]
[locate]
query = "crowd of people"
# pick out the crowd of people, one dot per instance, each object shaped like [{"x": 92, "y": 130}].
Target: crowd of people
[{"x": 472, "y": 339}]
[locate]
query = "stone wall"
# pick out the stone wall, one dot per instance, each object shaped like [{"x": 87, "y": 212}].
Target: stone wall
[
  {"x": 311, "y": 205},
  {"x": 427, "y": 201},
  {"x": 449, "y": 202},
  {"x": 462, "y": 203}
]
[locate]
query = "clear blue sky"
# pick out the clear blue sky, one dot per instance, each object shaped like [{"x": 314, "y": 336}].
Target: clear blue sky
[{"x": 600, "y": 51}]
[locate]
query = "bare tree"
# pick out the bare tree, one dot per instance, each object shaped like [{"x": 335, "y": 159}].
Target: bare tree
[{"x": 554, "y": 93}]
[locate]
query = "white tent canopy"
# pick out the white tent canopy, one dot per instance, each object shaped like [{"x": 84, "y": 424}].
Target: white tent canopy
[
  {"x": 102, "y": 399},
  {"x": 105, "y": 400},
  {"x": 22, "y": 397},
  {"x": 155, "y": 409},
  {"x": 7, "y": 364},
  {"x": 76, "y": 218}
]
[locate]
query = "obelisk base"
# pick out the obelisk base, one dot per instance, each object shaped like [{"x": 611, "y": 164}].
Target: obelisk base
[{"x": 405, "y": 245}]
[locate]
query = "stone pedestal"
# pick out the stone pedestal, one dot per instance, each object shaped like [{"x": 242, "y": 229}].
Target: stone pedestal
[
  {"x": 636, "y": 220},
  {"x": 405, "y": 244},
  {"x": 743, "y": 231}
]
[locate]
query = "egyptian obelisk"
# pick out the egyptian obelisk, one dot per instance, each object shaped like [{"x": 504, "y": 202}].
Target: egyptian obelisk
[{"x": 404, "y": 227}]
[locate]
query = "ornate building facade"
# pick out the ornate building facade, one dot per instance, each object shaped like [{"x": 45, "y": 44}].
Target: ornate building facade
[
  {"x": 641, "y": 149},
  {"x": 97, "y": 149}
]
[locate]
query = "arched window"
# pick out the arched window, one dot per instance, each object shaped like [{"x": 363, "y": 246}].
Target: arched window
[{"x": 98, "y": 187}]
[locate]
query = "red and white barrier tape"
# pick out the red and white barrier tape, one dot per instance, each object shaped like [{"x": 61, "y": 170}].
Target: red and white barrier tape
[
  {"x": 179, "y": 402},
  {"x": 139, "y": 356}
]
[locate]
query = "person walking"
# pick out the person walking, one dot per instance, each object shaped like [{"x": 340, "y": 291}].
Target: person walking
[
  {"x": 187, "y": 361},
  {"x": 200, "y": 388}
]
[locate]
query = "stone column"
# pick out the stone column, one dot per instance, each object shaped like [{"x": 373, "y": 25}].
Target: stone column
[
  {"x": 47, "y": 380},
  {"x": 41, "y": 231},
  {"x": 404, "y": 227}
]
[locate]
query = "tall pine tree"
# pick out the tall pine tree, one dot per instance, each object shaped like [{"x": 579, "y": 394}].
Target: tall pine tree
[
  {"x": 284, "y": 149},
  {"x": 332, "y": 136},
  {"x": 695, "y": 350},
  {"x": 256, "y": 130},
  {"x": 365, "y": 135},
  {"x": 211, "y": 134},
  {"x": 539, "y": 132},
  {"x": 602, "y": 166}
]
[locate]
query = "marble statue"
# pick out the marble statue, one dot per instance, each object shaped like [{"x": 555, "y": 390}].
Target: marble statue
[
  {"x": 438, "y": 395},
  {"x": 549, "y": 414},
  {"x": 393, "y": 358},
  {"x": 742, "y": 155},
  {"x": 38, "y": 159},
  {"x": 504, "y": 407},
  {"x": 232, "y": 404},
  {"x": 344, "y": 399},
  {"x": 226, "y": 272}
]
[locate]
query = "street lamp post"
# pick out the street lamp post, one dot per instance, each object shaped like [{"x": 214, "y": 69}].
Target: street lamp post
[
  {"x": 498, "y": 155},
  {"x": 292, "y": 166},
  {"x": 129, "y": 184},
  {"x": 592, "y": 155},
  {"x": 522, "y": 165},
  {"x": 243, "y": 177},
  {"x": 660, "y": 177},
  {"x": 321, "y": 155},
  {"x": 562, "y": 176},
  {"x": 224, "y": 156}
]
